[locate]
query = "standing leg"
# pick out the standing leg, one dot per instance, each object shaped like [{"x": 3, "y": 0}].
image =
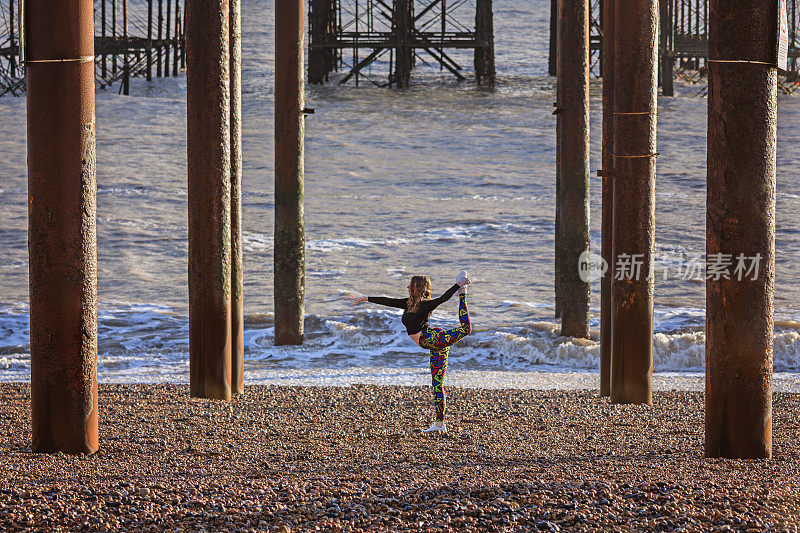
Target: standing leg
[{"x": 438, "y": 368}]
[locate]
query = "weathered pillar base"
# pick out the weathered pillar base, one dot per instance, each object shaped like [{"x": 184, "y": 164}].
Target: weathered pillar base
[
  {"x": 289, "y": 257},
  {"x": 209, "y": 191},
  {"x": 573, "y": 80},
  {"x": 62, "y": 226},
  {"x": 633, "y": 217},
  {"x": 740, "y": 229}
]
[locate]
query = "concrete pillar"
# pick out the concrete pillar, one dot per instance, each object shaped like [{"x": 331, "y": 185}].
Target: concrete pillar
[
  {"x": 208, "y": 151},
  {"x": 237, "y": 282},
  {"x": 740, "y": 228},
  {"x": 607, "y": 196},
  {"x": 289, "y": 253},
  {"x": 573, "y": 81},
  {"x": 62, "y": 225},
  {"x": 633, "y": 219}
]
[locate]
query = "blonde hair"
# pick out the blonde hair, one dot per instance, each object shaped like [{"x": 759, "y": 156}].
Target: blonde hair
[{"x": 420, "y": 291}]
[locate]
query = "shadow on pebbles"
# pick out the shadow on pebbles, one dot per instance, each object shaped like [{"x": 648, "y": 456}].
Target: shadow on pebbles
[{"x": 355, "y": 459}]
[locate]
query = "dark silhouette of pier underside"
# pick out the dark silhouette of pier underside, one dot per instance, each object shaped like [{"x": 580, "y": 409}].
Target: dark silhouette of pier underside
[
  {"x": 356, "y": 34},
  {"x": 132, "y": 38},
  {"x": 683, "y": 44}
]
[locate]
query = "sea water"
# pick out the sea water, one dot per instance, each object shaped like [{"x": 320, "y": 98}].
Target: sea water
[{"x": 442, "y": 176}]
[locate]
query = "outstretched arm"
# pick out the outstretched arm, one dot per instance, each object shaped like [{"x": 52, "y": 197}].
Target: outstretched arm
[
  {"x": 433, "y": 304},
  {"x": 399, "y": 303}
]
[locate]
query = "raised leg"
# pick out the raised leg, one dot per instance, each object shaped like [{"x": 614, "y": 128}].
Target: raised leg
[{"x": 450, "y": 336}]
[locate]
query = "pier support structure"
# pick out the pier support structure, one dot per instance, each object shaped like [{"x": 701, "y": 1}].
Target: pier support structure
[
  {"x": 553, "y": 48},
  {"x": 607, "y": 196},
  {"x": 401, "y": 30},
  {"x": 237, "y": 275},
  {"x": 62, "y": 250},
  {"x": 740, "y": 228},
  {"x": 402, "y": 27},
  {"x": 633, "y": 219},
  {"x": 289, "y": 253},
  {"x": 209, "y": 191},
  {"x": 484, "y": 34},
  {"x": 573, "y": 168}
]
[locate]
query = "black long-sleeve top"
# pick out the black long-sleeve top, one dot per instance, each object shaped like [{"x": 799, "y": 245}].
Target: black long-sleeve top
[{"x": 415, "y": 321}]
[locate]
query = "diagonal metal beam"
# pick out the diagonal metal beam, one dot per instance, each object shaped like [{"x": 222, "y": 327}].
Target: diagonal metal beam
[
  {"x": 444, "y": 56},
  {"x": 363, "y": 63},
  {"x": 424, "y": 11},
  {"x": 440, "y": 59}
]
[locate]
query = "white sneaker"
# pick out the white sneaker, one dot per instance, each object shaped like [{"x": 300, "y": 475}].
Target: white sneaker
[
  {"x": 462, "y": 278},
  {"x": 434, "y": 427}
]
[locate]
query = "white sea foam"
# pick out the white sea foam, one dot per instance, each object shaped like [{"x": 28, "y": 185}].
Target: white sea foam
[{"x": 142, "y": 342}]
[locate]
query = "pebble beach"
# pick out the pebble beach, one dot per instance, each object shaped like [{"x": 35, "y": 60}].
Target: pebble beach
[{"x": 355, "y": 459}]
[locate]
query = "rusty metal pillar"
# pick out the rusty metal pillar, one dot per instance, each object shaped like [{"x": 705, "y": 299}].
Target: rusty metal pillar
[
  {"x": 178, "y": 48},
  {"x": 167, "y": 37},
  {"x": 553, "y": 50},
  {"x": 635, "y": 61},
  {"x": 484, "y": 53},
  {"x": 237, "y": 281},
  {"x": 114, "y": 34},
  {"x": 607, "y": 197},
  {"x": 557, "y": 274},
  {"x": 209, "y": 172},
  {"x": 573, "y": 80},
  {"x": 12, "y": 58},
  {"x": 59, "y": 65},
  {"x": 289, "y": 256},
  {"x": 159, "y": 36},
  {"x": 666, "y": 54},
  {"x": 740, "y": 228},
  {"x": 126, "y": 67},
  {"x": 402, "y": 31},
  {"x": 103, "y": 64},
  {"x": 149, "y": 67}
]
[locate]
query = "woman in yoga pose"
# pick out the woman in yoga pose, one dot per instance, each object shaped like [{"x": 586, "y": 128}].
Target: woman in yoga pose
[{"x": 416, "y": 318}]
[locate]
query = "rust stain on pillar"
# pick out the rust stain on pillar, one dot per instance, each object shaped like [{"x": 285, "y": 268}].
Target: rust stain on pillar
[
  {"x": 208, "y": 151},
  {"x": 635, "y": 61},
  {"x": 237, "y": 279},
  {"x": 573, "y": 78},
  {"x": 289, "y": 253},
  {"x": 609, "y": 14},
  {"x": 62, "y": 225},
  {"x": 742, "y": 113}
]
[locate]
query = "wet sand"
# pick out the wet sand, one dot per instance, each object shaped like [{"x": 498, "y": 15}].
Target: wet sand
[{"x": 353, "y": 458}]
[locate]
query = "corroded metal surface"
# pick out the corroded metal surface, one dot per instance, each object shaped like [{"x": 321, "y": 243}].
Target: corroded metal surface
[
  {"x": 208, "y": 151},
  {"x": 237, "y": 280},
  {"x": 62, "y": 225},
  {"x": 742, "y": 111},
  {"x": 289, "y": 255},
  {"x": 557, "y": 276},
  {"x": 635, "y": 60},
  {"x": 573, "y": 81},
  {"x": 607, "y": 174}
]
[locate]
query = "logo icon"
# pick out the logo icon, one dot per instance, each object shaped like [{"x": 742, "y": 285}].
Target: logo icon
[{"x": 591, "y": 266}]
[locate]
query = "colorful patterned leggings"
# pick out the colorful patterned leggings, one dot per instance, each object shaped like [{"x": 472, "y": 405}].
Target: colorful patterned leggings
[{"x": 438, "y": 341}]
